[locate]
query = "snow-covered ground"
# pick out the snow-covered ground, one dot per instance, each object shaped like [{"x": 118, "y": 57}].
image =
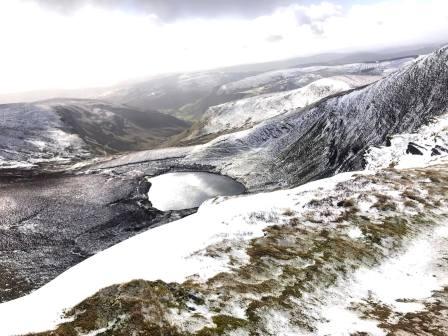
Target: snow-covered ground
[
  {"x": 186, "y": 190},
  {"x": 148, "y": 155},
  {"x": 250, "y": 111},
  {"x": 401, "y": 283},
  {"x": 387, "y": 217},
  {"x": 428, "y": 145}
]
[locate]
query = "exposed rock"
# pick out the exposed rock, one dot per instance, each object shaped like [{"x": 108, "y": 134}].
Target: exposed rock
[{"x": 413, "y": 149}]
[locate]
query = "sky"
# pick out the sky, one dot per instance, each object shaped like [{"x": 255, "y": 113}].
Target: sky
[{"x": 69, "y": 44}]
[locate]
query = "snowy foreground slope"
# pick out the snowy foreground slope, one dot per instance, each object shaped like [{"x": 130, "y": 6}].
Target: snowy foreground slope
[
  {"x": 332, "y": 257},
  {"x": 245, "y": 113}
]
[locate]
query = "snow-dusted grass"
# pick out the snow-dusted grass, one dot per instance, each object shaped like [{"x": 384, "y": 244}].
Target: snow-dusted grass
[{"x": 400, "y": 284}]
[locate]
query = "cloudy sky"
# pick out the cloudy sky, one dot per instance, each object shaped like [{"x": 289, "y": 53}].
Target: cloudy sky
[{"x": 49, "y": 44}]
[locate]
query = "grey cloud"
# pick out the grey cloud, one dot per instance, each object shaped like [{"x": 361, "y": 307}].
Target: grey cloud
[
  {"x": 317, "y": 29},
  {"x": 315, "y": 24},
  {"x": 302, "y": 18},
  {"x": 274, "y": 38},
  {"x": 174, "y": 9}
]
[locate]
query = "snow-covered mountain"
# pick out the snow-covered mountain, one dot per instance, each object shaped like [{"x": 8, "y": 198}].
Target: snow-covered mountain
[
  {"x": 245, "y": 113},
  {"x": 332, "y": 135},
  {"x": 189, "y": 95},
  {"x": 280, "y": 80},
  {"x": 61, "y": 131}
]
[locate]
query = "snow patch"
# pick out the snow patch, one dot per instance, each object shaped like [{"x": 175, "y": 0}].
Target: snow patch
[{"x": 428, "y": 146}]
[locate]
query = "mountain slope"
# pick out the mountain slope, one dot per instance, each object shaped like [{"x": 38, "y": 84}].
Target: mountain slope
[
  {"x": 188, "y": 96},
  {"x": 288, "y": 262},
  {"x": 257, "y": 98},
  {"x": 334, "y": 134},
  {"x": 288, "y": 79},
  {"x": 245, "y": 113},
  {"x": 59, "y": 131}
]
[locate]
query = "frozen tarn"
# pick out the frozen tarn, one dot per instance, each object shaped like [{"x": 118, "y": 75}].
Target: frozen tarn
[
  {"x": 429, "y": 145},
  {"x": 250, "y": 111},
  {"x": 186, "y": 190},
  {"x": 177, "y": 242}
]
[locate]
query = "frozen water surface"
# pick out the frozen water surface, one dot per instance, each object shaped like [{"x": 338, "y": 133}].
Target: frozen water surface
[{"x": 185, "y": 190}]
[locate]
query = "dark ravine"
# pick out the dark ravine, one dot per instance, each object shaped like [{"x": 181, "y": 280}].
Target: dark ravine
[{"x": 127, "y": 129}]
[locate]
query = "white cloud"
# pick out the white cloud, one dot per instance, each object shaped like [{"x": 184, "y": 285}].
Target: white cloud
[{"x": 43, "y": 49}]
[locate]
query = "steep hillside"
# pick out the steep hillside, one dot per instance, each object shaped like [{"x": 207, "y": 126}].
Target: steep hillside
[
  {"x": 61, "y": 131},
  {"x": 256, "y": 98},
  {"x": 245, "y": 113},
  {"x": 334, "y": 134}
]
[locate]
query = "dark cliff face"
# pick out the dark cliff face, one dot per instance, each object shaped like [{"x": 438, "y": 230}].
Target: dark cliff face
[{"x": 333, "y": 135}]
